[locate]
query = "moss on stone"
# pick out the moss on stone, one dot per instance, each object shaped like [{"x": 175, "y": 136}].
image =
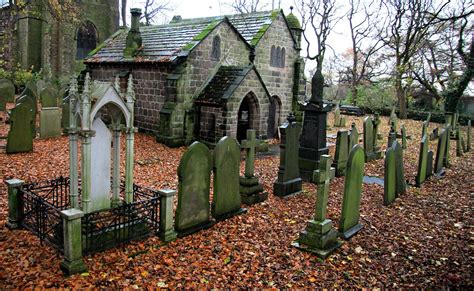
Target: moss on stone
[{"x": 259, "y": 34}]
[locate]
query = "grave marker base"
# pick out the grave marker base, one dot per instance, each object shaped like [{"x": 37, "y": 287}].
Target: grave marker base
[
  {"x": 251, "y": 191},
  {"x": 318, "y": 238},
  {"x": 351, "y": 232},
  {"x": 292, "y": 187}
]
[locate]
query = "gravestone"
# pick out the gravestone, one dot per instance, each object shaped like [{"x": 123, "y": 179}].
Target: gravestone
[
  {"x": 342, "y": 151},
  {"x": 226, "y": 202},
  {"x": 320, "y": 237},
  {"x": 337, "y": 116},
  {"x": 393, "y": 119},
  {"x": 389, "y": 181},
  {"x": 353, "y": 137},
  {"x": 349, "y": 223},
  {"x": 392, "y": 136},
  {"x": 48, "y": 97},
  {"x": 7, "y": 93},
  {"x": 441, "y": 151},
  {"x": 100, "y": 166},
  {"x": 468, "y": 139},
  {"x": 50, "y": 122},
  {"x": 459, "y": 149},
  {"x": 20, "y": 137},
  {"x": 288, "y": 181},
  {"x": 194, "y": 175},
  {"x": 429, "y": 165},
  {"x": 422, "y": 162},
  {"x": 376, "y": 134},
  {"x": 372, "y": 152},
  {"x": 424, "y": 129},
  {"x": 428, "y": 118},
  {"x": 448, "y": 146},
  {"x": 251, "y": 190},
  {"x": 463, "y": 144},
  {"x": 404, "y": 137},
  {"x": 435, "y": 134},
  {"x": 401, "y": 185}
]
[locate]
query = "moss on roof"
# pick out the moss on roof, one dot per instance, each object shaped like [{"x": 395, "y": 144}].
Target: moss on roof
[{"x": 293, "y": 21}]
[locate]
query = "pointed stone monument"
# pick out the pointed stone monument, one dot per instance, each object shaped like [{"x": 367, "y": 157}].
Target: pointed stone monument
[{"x": 342, "y": 152}]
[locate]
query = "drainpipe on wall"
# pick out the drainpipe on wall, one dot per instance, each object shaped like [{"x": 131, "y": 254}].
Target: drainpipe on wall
[{"x": 134, "y": 38}]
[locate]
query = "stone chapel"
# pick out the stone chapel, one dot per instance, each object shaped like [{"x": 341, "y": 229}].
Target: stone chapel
[
  {"x": 205, "y": 78},
  {"x": 39, "y": 41}
]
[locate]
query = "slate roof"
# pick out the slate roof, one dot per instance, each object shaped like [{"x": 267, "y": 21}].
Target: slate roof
[
  {"x": 223, "y": 84},
  {"x": 166, "y": 43}
]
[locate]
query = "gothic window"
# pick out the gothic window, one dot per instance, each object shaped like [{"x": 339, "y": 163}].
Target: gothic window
[
  {"x": 282, "y": 58},
  {"x": 278, "y": 57},
  {"x": 86, "y": 40},
  {"x": 216, "y": 48},
  {"x": 272, "y": 56}
]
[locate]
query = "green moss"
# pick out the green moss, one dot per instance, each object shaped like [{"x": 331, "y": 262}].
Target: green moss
[
  {"x": 202, "y": 35},
  {"x": 94, "y": 51},
  {"x": 259, "y": 34},
  {"x": 274, "y": 14}
]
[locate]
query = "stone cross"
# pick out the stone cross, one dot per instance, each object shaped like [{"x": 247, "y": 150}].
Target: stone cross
[
  {"x": 250, "y": 145},
  {"x": 322, "y": 177}
]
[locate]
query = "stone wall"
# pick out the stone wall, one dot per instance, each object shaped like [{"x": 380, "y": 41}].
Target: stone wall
[
  {"x": 4, "y": 35},
  {"x": 210, "y": 121},
  {"x": 279, "y": 81},
  {"x": 149, "y": 84}
]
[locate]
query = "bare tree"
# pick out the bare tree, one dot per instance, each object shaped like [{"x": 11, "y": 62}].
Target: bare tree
[
  {"x": 247, "y": 6},
  {"x": 410, "y": 25},
  {"x": 318, "y": 18},
  {"x": 362, "y": 19},
  {"x": 153, "y": 8}
]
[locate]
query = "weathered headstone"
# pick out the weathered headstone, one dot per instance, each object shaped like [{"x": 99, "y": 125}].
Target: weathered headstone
[
  {"x": 289, "y": 181},
  {"x": 399, "y": 169},
  {"x": 429, "y": 165},
  {"x": 392, "y": 136},
  {"x": 28, "y": 98},
  {"x": 435, "y": 134},
  {"x": 100, "y": 166},
  {"x": 49, "y": 97},
  {"x": 459, "y": 149},
  {"x": 404, "y": 137},
  {"x": 424, "y": 129},
  {"x": 50, "y": 122},
  {"x": 393, "y": 119},
  {"x": 353, "y": 137},
  {"x": 376, "y": 123},
  {"x": 389, "y": 181},
  {"x": 226, "y": 202},
  {"x": 342, "y": 152},
  {"x": 468, "y": 139},
  {"x": 251, "y": 190},
  {"x": 371, "y": 152},
  {"x": 440, "y": 153},
  {"x": 320, "y": 237},
  {"x": 422, "y": 162},
  {"x": 448, "y": 146},
  {"x": 194, "y": 174},
  {"x": 349, "y": 223},
  {"x": 20, "y": 138},
  {"x": 337, "y": 116},
  {"x": 7, "y": 93}
]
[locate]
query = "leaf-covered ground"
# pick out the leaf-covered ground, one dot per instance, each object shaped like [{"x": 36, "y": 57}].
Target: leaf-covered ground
[{"x": 424, "y": 239}]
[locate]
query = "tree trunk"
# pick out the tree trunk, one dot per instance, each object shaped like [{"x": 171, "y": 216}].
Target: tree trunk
[
  {"x": 402, "y": 99},
  {"x": 124, "y": 13},
  {"x": 354, "y": 94}
]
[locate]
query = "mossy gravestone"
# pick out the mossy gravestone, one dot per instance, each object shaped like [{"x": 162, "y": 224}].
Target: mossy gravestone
[
  {"x": 320, "y": 237},
  {"x": 370, "y": 141},
  {"x": 448, "y": 146},
  {"x": 422, "y": 161},
  {"x": 342, "y": 151},
  {"x": 349, "y": 223},
  {"x": 227, "y": 200},
  {"x": 194, "y": 175},
  {"x": 393, "y": 119},
  {"x": 389, "y": 181},
  {"x": 401, "y": 184},
  {"x": 28, "y": 98},
  {"x": 337, "y": 116},
  {"x": 7, "y": 93},
  {"x": 49, "y": 97},
  {"x": 404, "y": 137},
  {"x": 353, "y": 137},
  {"x": 20, "y": 138},
  {"x": 289, "y": 181},
  {"x": 440, "y": 152}
]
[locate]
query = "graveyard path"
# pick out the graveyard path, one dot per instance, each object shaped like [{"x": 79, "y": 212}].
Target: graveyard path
[{"x": 420, "y": 240}]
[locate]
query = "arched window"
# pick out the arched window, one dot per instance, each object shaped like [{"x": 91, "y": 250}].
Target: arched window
[
  {"x": 272, "y": 56},
  {"x": 216, "y": 48},
  {"x": 282, "y": 58},
  {"x": 86, "y": 40},
  {"x": 278, "y": 57}
]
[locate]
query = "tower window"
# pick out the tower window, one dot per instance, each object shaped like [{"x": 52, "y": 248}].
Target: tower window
[
  {"x": 86, "y": 40},
  {"x": 216, "y": 48}
]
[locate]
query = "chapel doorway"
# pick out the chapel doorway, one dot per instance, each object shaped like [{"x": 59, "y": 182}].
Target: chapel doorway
[
  {"x": 274, "y": 113},
  {"x": 247, "y": 116}
]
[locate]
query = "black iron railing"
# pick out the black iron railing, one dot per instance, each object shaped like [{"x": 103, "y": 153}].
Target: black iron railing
[
  {"x": 40, "y": 206},
  {"x": 108, "y": 228},
  {"x": 41, "y": 203}
]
